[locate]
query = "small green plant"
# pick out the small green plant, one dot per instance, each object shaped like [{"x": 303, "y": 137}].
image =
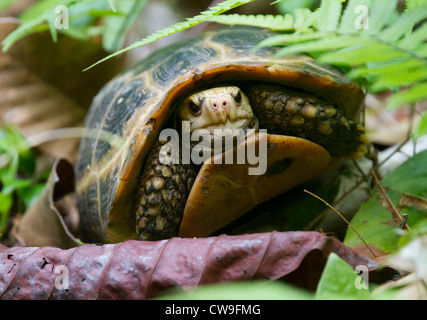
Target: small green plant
[{"x": 17, "y": 167}]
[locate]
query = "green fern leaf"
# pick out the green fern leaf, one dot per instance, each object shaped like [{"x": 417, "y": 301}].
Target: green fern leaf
[
  {"x": 324, "y": 43},
  {"x": 328, "y": 15},
  {"x": 304, "y": 18},
  {"x": 404, "y": 24},
  {"x": 421, "y": 130},
  {"x": 301, "y": 21},
  {"x": 399, "y": 79},
  {"x": 414, "y": 94},
  {"x": 412, "y": 4},
  {"x": 277, "y": 23},
  {"x": 287, "y": 39},
  {"x": 368, "y": 51},
  {"x": 355, "y": 16},
  {"x": 384, "y": 68},
  {"x": 380, "y": 13},
  {"x": 422, "y": 51}
]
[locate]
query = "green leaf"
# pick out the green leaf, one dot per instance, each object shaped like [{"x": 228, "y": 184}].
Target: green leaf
[
  {"x": 413, "y": 40},
  {"x": 410, "y": 176},
  {"x": 41, "y": 8},
  {"x": 112, "y": 5},
  {"x": 375, "y": 223},
  {"x": 367, "y": 51},
  {"x": 328, "y": 15},
  {"x": 399, "y": 79},
  {"x": 380, "y": 11},
  {"x": 51, "y": 18},
  {"x": 304, "y": 18},
  {"x": 286, "y": 39},
  {"x": 278, "y": 22},
  {"x": 422, "y": 51},
  {"x": 203, "y": 16},
  {"x": 288, "y": 6},
  {"x": 384, "y": 68},
  {"x": 34, "y": 20},
  {"x": 116, "y": 25},
  {"x": 415, "y": 93},
  {"x": 421, "y": 129},
  {"x": 253, "y": 290},
  {"x": 404, "y": 24},
  {"x": 323, "y": 44},
  {"x": 412, "y": 4},
  {"x": 6, "y": 202},
  {"x": 340, "y": 281},
  {"x": 353, "y": 16},
  {"x": 5, "y": 4}
]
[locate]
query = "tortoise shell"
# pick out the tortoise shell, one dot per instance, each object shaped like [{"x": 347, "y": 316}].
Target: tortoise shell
[{"x": 128, "y": 113}]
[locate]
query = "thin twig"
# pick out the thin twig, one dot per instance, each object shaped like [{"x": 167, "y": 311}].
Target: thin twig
[
  {"x": 342, "y": 217},
  {"x": 341, "y": 198}
]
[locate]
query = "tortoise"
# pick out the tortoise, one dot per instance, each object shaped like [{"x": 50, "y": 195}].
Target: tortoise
[{"x": 301, "y": 114}]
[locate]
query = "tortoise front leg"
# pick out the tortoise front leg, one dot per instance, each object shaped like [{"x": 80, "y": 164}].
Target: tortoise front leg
[
  {"x": 290, "y": 112},
  {"x": 161, "y": 195}
]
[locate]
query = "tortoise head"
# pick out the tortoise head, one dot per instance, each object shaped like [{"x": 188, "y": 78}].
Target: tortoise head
[{"x": 217, "y": 109}]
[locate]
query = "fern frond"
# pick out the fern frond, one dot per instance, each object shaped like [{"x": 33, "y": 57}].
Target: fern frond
[
  {"x": 328, "y": 15},
  {"x": 279, "y": 22},
  {"x": 393, "y": 57},
  {"x": 303, "y": 20},
  {"x": 404, "y": 24},
  {"x": 412, "y": 4}
]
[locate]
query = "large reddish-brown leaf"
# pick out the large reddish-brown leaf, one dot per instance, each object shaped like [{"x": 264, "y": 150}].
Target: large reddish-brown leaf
[{"x": 140, "y": 270}]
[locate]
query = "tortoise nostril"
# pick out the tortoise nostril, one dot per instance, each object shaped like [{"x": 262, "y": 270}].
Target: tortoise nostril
[
  {"x": 224, "y": 103},
  {"x": 214, "y": 105}
]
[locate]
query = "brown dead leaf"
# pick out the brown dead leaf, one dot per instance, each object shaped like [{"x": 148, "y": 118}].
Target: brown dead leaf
[
  {"x": 46, "y": 223},
  {"x": 412, "y": 200},
  {"x": 144, "y": 269},
  {"x": 43, "y": 88}
]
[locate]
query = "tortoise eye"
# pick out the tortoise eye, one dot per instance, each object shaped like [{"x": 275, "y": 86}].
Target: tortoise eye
[
  {"x": 194, "y": 108},
  {"x": 238, "y": 97}
]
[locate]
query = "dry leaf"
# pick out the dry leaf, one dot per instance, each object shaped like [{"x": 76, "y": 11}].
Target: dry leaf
[
  {"x": 144, "y": 269},
  {"x": 43, "y": 224},
  {"x": 411, "y": 200}
]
